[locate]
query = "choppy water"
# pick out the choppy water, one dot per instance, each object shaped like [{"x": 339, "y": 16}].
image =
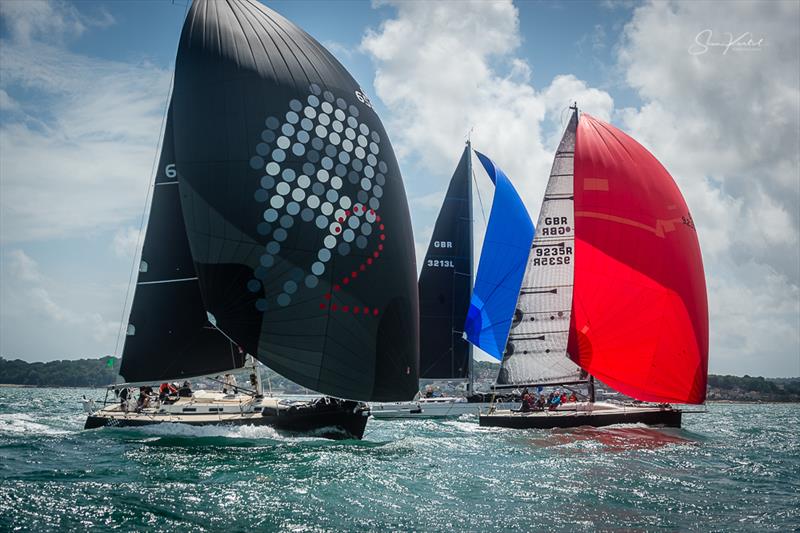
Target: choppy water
[{"x": 736, "y": 467}]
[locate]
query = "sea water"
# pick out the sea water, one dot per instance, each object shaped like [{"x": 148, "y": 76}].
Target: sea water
[{"x": 735, "y": 467}]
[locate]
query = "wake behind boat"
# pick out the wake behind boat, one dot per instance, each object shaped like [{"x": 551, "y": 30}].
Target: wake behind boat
[{"x": 278, "y": 227}]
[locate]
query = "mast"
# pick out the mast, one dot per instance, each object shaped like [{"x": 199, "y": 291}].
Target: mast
[
  {"x": 470, "y": 358},
  {"x": 255, "y": 376},
  {"x": 590, "y": 378}
]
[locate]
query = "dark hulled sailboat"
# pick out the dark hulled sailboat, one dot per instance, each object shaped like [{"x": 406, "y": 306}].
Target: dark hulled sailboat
[
  {"x": 296, "y": 219},
  {"x": 445, "y": 283},
  {"x": 445, "y": 288},
  {"x": 614, "y": 288}
]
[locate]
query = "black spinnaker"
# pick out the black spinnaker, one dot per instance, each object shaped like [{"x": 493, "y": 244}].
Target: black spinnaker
[
  {"x": 296, "y": 213},
  {"x": 168, "y": 334},
  {"x": 445, "y": 283}
]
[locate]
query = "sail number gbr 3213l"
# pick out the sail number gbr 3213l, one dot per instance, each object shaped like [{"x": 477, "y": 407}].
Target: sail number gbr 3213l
[{"x": 441, "y": 263}]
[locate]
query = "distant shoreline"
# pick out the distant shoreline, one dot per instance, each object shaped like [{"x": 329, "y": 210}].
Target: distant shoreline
[
  {"x": 15, "y": 386},
  {"x": 103, "y": 372}
]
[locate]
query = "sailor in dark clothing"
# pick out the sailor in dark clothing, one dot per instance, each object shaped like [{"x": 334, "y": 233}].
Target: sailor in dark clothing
[
  {"x": 186, "y": 390},
  {"x": 123, "y": 398},
  {"x": 526, "y": 403},
  {"x": 144, "y": 399},
  {"x": 540, "y": 403}
]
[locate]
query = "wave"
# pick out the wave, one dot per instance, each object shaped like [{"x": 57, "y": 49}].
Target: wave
[
  {"x": 23, "y": 424},
  {"x": 173, "y": 434}
]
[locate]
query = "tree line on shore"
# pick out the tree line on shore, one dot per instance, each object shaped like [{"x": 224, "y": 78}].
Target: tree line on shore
[
  {"x": 103, "y": 371},
  {"x": 63, "y": 373}
]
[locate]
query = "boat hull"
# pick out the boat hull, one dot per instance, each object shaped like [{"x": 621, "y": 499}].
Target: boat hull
[
  {"x": 334, "y": 420},
  {"x": 400, "y": 410},
  {"x": 661, "y": 417}
]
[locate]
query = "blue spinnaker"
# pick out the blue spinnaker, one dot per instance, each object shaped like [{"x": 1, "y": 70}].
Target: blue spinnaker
[{"x": 503, "y": 258}]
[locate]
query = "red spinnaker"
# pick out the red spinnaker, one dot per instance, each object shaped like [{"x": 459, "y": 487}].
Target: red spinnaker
[{"x": 639, "y": 313}]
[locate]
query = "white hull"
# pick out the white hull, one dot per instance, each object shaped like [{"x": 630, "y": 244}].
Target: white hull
[
  {"x": 434, "y": 408},
  {"x": 329, "y": 417}
]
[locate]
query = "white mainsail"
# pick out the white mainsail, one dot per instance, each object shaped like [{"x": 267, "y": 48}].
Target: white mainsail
[{"x": 536, "y": 352}]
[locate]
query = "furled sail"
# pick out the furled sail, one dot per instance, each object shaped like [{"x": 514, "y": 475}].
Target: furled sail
[
  {"x": 640, "y": 313},
  {"x": 295, "y": 208},
  {"x": 536, "y": 352},
  {"x": 168, "y": 335},
  {"x": 446, "y": 281},
  {"x": 502, "y": 265}
]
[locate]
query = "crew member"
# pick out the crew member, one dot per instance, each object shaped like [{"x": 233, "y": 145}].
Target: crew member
[
  {"x": 229, "y": 383},
  {"x": 186, "y": 390}
]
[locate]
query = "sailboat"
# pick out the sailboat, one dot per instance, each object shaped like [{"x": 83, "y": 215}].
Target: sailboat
[
  {"x": 445, "y": 287},
  {"x": 279, "y": 231},
  {"x": 614, "y": 289}
]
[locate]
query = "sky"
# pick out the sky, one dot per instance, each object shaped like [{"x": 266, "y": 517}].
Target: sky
[{"x": 83, "y": 88}]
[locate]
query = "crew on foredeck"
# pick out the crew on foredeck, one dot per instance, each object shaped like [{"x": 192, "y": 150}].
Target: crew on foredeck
[{"x": 186, "y": 390}]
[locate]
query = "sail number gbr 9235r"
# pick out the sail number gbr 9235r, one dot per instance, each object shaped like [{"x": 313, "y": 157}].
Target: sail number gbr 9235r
[{"x": 557, "y": 253}]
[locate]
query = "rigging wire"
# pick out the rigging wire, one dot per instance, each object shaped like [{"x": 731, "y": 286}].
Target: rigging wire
[
  {"x": 480, "y": 200},
  {"x": 562, "y": 116},
  {"x": 148, "y": 198},
  {"x": 474, "y": 180}
]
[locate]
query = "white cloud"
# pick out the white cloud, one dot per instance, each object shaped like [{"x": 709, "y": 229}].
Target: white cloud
[
  {"x": 125, "y": 242},
  {"x": 7, "y": 103},
  {"x": 23, "y": 267},
  {"x": 79, "y": 157},
  {"x": 447, "y": 68},
  {"x": 338, "y": 49},
  {"x": 28, "y": 294},
  {"x": 594, "y": 41},
  {"x": 50, "y": 20}
]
